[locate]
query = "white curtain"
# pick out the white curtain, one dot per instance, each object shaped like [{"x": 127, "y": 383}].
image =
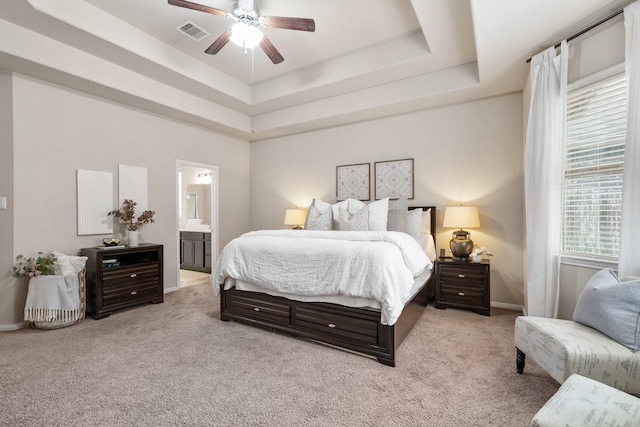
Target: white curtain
[
  {"x": 629, "y": 260},
  {"x": 543, "y": 179}
]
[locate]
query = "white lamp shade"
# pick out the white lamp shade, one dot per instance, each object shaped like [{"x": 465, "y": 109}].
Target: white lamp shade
[
  {"x": 461, "y": 217},
  {"x": 295, "y": 216},
  {"x": 246, "y": 36}
]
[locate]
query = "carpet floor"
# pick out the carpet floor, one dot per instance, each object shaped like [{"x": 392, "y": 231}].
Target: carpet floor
[{"x": 176, "y": 363}]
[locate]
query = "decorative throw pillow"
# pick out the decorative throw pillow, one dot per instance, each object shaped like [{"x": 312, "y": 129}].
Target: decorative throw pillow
[
  {"x": 68, "y": 264},
  {"x": 336, "y": 213},
  {"x": 378, "y": 211},
  {"x": 611, "y": 307},
  {"x": 358, "y": 221},
  {"x": 397, "y": 215},
  {"x": 319, "y": 216}
]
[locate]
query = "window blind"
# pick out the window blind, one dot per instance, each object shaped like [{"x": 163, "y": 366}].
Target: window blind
[{"x": 594, "y": 162}]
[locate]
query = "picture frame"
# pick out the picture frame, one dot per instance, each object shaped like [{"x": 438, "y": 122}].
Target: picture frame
[
  {"x": 394, "y": 179},
  {"x": 352, "y": 181}
]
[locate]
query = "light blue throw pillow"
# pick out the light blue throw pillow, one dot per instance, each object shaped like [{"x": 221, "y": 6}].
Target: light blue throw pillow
[{"x": 611, "y": 307}]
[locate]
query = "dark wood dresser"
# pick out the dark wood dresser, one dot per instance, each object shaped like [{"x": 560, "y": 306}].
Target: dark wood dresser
[
  {"x": 463, "y": 284},
  {"x": 120, "y": 278}
]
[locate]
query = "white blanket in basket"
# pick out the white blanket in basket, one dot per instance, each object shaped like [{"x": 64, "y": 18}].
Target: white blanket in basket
[{"x": 53, "y": 298}]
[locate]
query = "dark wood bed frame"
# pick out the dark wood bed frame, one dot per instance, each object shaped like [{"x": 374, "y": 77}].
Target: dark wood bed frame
[{"x": 355, "y": 329}]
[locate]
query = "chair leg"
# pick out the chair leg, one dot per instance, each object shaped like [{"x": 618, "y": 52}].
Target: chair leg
[{"x": 519, "y": 360}]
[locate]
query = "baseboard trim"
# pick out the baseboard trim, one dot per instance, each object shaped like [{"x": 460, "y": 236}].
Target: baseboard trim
[
  {"x": 14, "y": 327},
  {"x": 514, "y": 307},
  {"x": 169, "y": 290}
]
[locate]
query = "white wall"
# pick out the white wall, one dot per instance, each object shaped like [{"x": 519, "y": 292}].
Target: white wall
[
  {"x": 57, "y": 131},
  {"x": 470, "y": 153}
]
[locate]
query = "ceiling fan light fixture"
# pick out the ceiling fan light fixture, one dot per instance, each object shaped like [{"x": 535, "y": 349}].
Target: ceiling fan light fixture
[{"x": 246, "y": 36}]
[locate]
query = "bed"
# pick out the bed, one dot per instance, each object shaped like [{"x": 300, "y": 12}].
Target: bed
[{"x": 353, "y": 322}]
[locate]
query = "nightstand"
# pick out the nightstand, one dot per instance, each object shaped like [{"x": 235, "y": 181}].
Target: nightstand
[{"x": 463, "y": 284}]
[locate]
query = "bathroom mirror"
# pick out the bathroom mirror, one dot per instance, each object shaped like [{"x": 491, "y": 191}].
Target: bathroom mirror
[{"x": 192, "y": 205}]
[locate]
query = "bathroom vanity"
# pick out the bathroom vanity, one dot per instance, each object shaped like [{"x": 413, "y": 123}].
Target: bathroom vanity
[{"x": 195, "y": 251}]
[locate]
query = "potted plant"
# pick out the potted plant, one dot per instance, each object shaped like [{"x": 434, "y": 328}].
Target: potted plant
[{"x": 127, "y": 213}]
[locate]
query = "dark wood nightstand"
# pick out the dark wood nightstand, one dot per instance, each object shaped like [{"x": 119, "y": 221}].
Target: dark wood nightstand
[{"x": 463, "y": 284}]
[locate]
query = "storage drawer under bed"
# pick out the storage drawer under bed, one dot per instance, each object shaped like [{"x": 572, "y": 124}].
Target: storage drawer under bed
[{"x": 247, "y": 304}]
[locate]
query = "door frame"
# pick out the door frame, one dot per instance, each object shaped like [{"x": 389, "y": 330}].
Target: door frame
[{"x": 214, "y": 211}]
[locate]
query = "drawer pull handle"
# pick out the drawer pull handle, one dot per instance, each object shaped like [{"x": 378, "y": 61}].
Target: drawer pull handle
[
  {"x": 462, "y": 276},
  {"x": 133, "y": 275},
  {"x": 331, "y": 325},
  {"x": 461, "y": 294},
  {"x": 256, "y": 309},
  {"x": 134, "y": 293}
]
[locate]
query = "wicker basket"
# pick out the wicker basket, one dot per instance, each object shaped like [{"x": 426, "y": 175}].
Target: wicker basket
[{"x": 56, "y": 324}]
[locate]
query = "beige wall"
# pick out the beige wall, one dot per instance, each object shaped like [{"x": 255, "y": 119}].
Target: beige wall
[
  {"x": 57, "y": 131},
  {"x": 470, "y": 153},
  {"x": 8, "y": 286}
]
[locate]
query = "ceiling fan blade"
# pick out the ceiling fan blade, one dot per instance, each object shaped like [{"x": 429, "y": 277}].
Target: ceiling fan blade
[
  {"x": 246, "y": 4},
  {"x": 199, "y": 7},
  {"x": 271, "y": 51},
  {"x": 219, "y": 43},
  {"x": 300, "y": 24}
]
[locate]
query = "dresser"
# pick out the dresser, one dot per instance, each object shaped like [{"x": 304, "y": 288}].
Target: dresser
[
  {"x": 121, "y": 278},
  {"x": 463, "y": 284}
]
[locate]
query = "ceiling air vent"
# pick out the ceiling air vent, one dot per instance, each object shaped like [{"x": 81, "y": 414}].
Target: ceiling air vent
[{"x": 192, "y": 30}]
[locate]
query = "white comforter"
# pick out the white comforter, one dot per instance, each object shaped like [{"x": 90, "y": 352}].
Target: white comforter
[{"x": 368, "y": 264}]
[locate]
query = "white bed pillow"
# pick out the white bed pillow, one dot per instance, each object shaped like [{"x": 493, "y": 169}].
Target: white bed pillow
[
  {"x": 397, "y": 215},
  {"x": 419, "y": 221},
  {"x": 414, "y": 221},
  {"x": 358, "y": 221},
  {"x": 319, "y": 216},
  {"x": 378, "y": 213},
  {"x": 425, "y": 224},
  {"x": 69, "y": 264}
]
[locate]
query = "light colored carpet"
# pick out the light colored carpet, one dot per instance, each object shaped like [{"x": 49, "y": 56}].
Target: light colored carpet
[{"x": 176, "y": 363}]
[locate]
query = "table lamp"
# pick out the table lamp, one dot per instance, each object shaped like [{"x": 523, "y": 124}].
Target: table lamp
[
  {"x": 295, "y": 218},
  {"x": 461, "y": 217}
]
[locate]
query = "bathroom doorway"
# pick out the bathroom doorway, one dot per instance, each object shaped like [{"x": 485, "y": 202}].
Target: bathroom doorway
[{"x": 197, "y": 228}]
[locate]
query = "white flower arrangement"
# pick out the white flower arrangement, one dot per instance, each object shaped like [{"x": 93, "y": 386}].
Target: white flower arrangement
[
  {"x": 477, "y": 253},
  {"x": 480, "y": 250},
  {"x": 34, "y": 266}
]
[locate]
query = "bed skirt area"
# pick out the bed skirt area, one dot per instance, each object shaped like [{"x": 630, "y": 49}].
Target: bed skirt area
[{"x": 355, "y": 329}]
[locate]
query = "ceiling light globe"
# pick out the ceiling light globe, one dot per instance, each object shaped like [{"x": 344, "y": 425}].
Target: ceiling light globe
[{"x": 246, "y": 36}]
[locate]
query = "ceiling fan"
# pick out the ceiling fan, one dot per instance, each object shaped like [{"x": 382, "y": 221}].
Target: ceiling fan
[{"x": 244, "y": 32}]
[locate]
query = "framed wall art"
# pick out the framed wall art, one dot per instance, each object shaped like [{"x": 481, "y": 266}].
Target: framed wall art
[
  {"x": 352, "y": 181},
  {"x": 394, "y": 179},
  {"x": 95, "y": 200}
]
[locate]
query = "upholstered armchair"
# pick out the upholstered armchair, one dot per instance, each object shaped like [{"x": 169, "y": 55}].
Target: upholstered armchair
[{"x": 601, "y": 342}]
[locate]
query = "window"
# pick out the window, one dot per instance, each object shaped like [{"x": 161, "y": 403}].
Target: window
[{"x": 594, "y": 162}]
